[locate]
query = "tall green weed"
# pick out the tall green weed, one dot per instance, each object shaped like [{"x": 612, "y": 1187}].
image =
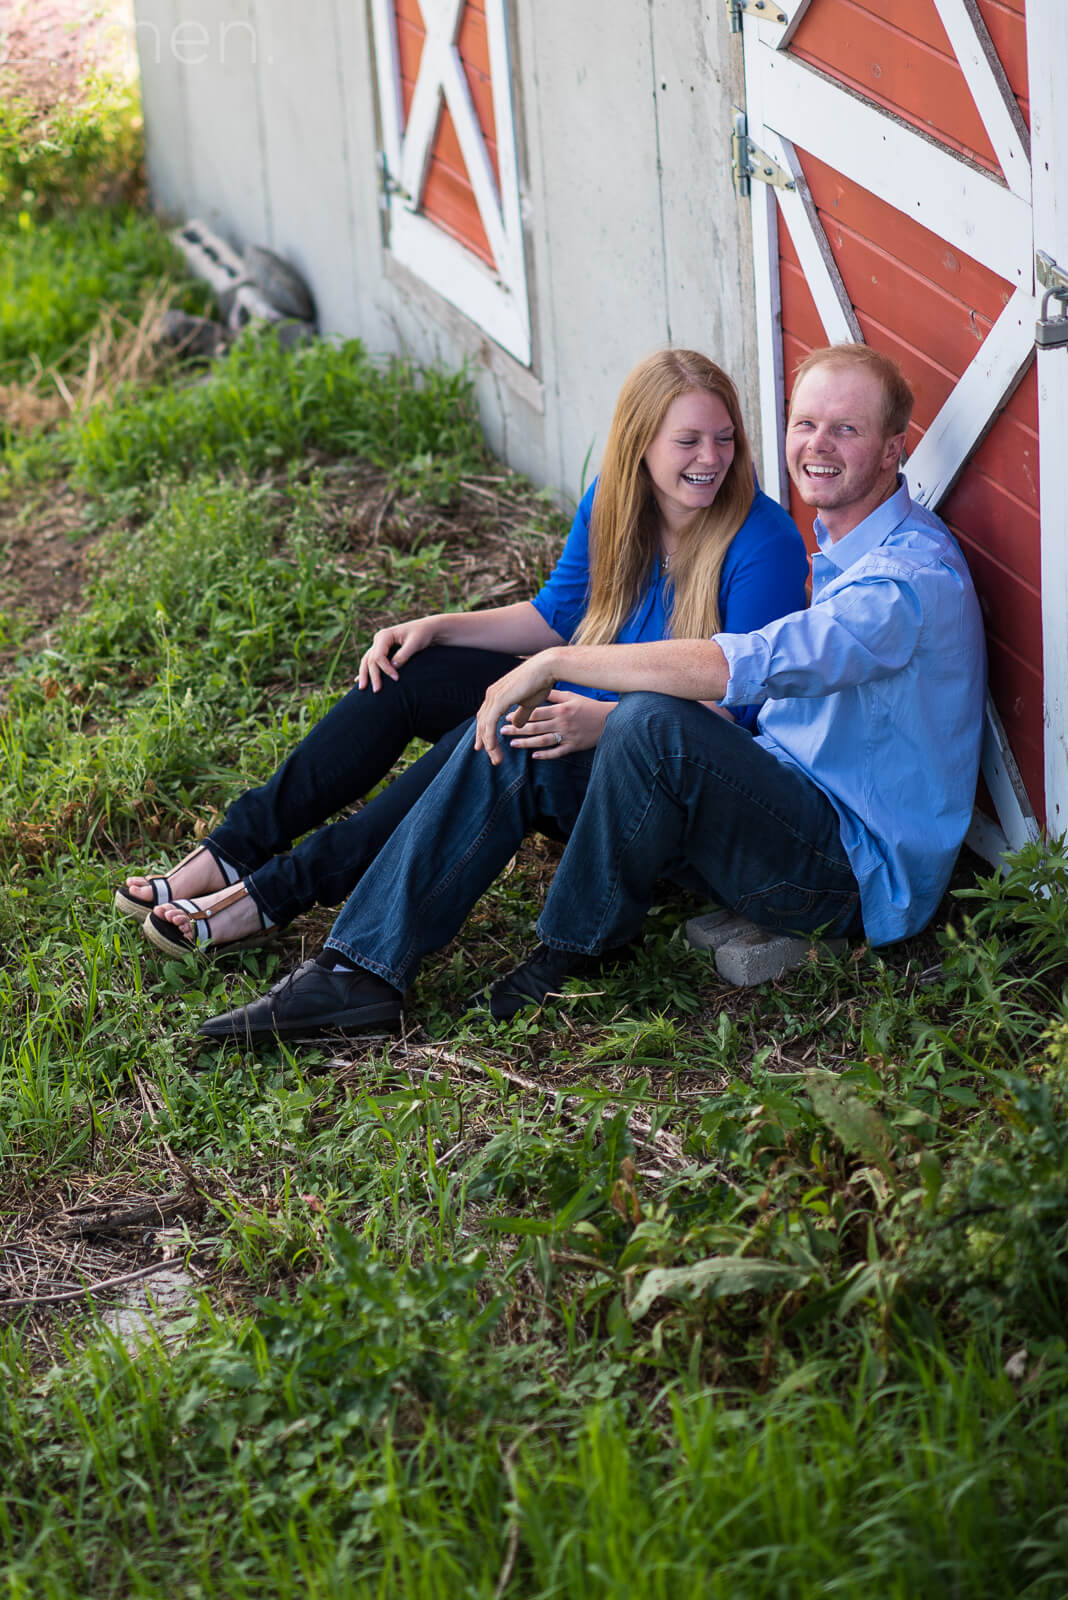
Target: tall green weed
[{"x": 263, "y": 406}]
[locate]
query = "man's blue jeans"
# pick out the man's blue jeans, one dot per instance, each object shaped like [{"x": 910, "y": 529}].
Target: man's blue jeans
[{"x": 671, "y": 791}]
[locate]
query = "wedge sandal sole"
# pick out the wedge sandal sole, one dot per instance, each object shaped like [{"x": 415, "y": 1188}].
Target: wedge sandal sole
[
  {"x": 130, "y": 907},
  {"x": 174, "y": 942},
  {"x": 165, "y": 935}
]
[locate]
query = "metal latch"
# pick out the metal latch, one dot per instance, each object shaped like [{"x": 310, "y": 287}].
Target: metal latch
[
  {"x": 751, "y": 163},
  {"x": 388, "y": 183},
  {"x": 1051, "y": 331},
  {"x": 767, "y": 10}
]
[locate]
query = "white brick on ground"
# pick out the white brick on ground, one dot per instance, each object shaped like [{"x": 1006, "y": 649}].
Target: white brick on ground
[{"x": 747, "y": 955}]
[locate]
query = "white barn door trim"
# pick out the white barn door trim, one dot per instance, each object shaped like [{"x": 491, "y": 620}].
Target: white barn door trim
[
  {"x": 495, "y": 300},
  {"x": 1047, "y": 52},
  {"x": 995, "y": 223}
]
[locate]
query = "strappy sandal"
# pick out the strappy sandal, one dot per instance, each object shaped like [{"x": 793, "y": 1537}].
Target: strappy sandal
[
  {"x": 167, "y": 935},
  {"x": 130, "y": 906}
]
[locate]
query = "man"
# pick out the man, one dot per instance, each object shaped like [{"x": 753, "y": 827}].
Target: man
[{"x": 844, "y": 813}]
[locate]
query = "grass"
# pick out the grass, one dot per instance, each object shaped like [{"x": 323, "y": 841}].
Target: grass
[
  {"x": 670, "y": 1290},
  {"x": 55, "y": 275}
]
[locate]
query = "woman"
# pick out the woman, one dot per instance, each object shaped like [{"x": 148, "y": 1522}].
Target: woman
[{"x": 672, "y": 538}]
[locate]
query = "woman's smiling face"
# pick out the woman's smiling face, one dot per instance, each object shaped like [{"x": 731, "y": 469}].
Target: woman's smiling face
[{"x": 690, "y": 455}]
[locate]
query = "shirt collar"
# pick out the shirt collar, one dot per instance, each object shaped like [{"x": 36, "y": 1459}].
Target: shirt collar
[{"x": 870, "y": 533}]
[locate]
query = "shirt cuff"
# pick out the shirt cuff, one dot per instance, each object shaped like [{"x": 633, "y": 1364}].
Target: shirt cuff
[{"x": 748, "y": 666}]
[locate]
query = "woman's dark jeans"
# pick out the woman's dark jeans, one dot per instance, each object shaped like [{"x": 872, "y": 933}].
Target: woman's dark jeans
[{"x": 348, "y": 752}]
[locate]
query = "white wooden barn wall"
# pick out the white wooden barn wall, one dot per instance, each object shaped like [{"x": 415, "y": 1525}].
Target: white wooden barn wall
[{"x": 260, "y": 118}]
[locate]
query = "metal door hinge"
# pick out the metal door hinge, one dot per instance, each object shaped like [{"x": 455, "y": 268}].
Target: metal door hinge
[
  {"x": 1050, "y": 332},
  {"x": 766, "y": 10},
  {"x": 750, "y": 163}
]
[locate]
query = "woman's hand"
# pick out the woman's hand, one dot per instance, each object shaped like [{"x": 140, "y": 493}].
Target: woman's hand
[
  {"x": 565, "y": 723},
  {"x": 392, "y": 647}
]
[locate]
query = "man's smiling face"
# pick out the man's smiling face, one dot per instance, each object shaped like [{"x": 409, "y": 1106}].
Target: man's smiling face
[{"x": 840, "y": 458}]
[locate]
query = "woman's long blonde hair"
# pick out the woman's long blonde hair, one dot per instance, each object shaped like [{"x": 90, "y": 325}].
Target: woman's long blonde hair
[{"x": 624, "y": 530}]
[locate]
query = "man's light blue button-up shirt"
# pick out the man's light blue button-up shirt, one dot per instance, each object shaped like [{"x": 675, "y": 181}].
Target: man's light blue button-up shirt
[{"x": 876, "y": 693}]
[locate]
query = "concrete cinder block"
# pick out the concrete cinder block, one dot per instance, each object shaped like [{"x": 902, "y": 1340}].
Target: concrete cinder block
[
  {"x": 747, "y": 955},
  {"x": 715, "y": 928}
]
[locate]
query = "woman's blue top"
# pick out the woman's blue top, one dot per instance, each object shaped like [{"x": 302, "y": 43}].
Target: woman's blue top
[{"x": 763, "y": 577}]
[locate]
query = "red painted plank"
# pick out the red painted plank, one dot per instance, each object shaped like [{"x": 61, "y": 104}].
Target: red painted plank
[
  {"x": 917, "y": 18},
  {"x": 1008, "y": 459},
  {"x": 998, "y": 524},
  {"x": 1017, "y": 692},
  {"x": 931, "y": 384},
  {"x": 474, "y": 47},
  {"x": 794, "y": 350},
  {"x": 894, "y": 68},
  {"x": 409, "y": 54},
  {"x": 857, "y": 208},
  {"x": 799, "y": 313},
  {"x": 1008, "y": 33},
  {"x": 1012, "y": 610},
  {"x": 446, "y": 149},
  {"x": 472, "y": 41},
  {"x": 448, "y": 199},
  {"x": 922, "y": 315}
]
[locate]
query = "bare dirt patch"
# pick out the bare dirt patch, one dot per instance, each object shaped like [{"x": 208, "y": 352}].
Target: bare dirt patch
[{"x": 43, "y": 548}]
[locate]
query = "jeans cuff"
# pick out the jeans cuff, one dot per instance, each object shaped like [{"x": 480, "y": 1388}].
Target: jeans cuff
[
  {"x": 227, "y": 859},
  {"x": 280, "y": 915},
  {"x": 595, "y": 949},
  {"x": 397, "y": 979}
]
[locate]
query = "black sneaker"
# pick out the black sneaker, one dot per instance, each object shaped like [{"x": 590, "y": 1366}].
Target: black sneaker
[
  {"x": 542, "y": 976},
  {"x": 311, "y": 1002}
]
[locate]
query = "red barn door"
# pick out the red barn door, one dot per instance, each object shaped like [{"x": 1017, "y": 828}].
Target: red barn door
[{"x": 901, "y": 212}]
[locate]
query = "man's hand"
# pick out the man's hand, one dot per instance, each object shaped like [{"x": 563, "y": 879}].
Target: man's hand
[
  {"x": 518, "y": 692},
  {"x": 391, "y": 648},
  {"x": 689, "y": 669},
  {"x": 565, "y": 723}
]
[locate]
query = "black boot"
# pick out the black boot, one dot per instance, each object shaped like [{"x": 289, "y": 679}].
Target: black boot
[{"x": 543, "y": 976}]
